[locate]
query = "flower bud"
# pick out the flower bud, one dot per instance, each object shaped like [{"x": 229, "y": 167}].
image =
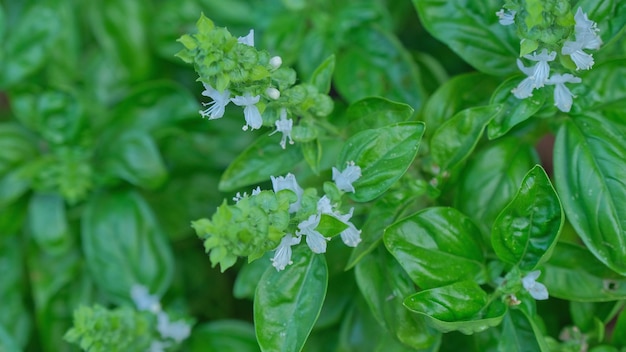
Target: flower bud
[
  {"x": 272, "y": 93},
  {"x": 275, "y": 62}
]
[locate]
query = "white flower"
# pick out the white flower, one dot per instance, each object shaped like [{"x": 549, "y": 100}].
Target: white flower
[
  {"x": 143, "y": 299},
  {"x": 536, "y": 289},
  {"x": 541, "y": 70},
  {"x": 562, "y": 95},
  {"x": 315, "y": 240},
  {"x": 256, "y": 191},
  {"x": 240, "y": 196},
  {"x": 158, "y": 346},
  {"x": 350, "y": 236},
  {"x": 282, "y": 254},
  {"x": 344, "y": 179},
  {"x": 506, "y": 18},
  {"x": 178, "y": 330},
  {"x": 586, "y": 31},
  {"x": 582, "y": 60},
  {"x": 288, "y": 182},
  {"x": 217, "y": 107},
  {"x": 250, "y": 111},
  {"x": 275, "y": 62},
  {"x": 284, "y": 126},
  {"x": 248, "y": 39}
]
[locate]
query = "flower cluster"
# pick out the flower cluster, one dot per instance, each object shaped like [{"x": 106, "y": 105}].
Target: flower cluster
[
  {"x": 168, "y": 330},
  {"x": 547, "y": 33}
]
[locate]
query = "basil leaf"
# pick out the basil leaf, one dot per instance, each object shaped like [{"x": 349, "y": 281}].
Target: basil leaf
[{"x": 376, "y": 112}]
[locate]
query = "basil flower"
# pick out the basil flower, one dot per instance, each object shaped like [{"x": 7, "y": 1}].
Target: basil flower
[
  {"x": 315, "y": 240},
  {"x": 506, "y": 18},
  {"x": 343, "y": 179},
  {"x": 541, "y": 70},
  {"x": 178, "y": 330},
  {"x": 288, "y": 182},
  {"x": 536, "y": 289},
  {"x": 248, "y": 39},
  {"x": 563, "y": 98},
  {"x": 574, "y": 49},
  {"x": 143, "y": 299},
  {"x": 217, "y": 107},
  {"x": 284, "y": 126},
  {"x": 282, "y": 254},
  {"x": 250, "y": 111}
]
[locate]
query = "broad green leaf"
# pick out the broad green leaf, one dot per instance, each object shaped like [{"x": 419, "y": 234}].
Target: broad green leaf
[
  {"x": 462, "y": 306},
  {"x": 471, "y": 30},
  {"x": 525, "y": 232},
  {"x": 249, "y": 275},
  {"x": 223, "y": 335},
  {"x": 330, "y": 226},
  {"x": 619, "y": 338},
  {"x": 589, "y": 164},
  {"x": 258, "y": 162},
  {"x": 515, "y": 110},
  {"x": 491, "y": 178},
  {"x": 375, "y": 112},
  {"x": 312, "y": 153},
  {"x": 436, "y": 247},
  {"x": 7, "y": 342},
  {"x": 287, "y": 303},
  {"x": 48, "y": 223},
  {"x": 383, "y": 154},
  {"x": 135, "y": 158},
  {"x": 604, "y": 89},
  {"x": 384, "y": 284},
  {"x": 17, "y": 146},
  {"x": 15, "y": 318},
  {"x": 457, "y": 94},
  {"x": 341, "y": 291},
  {"x": 12, "y": 186},
  {"x": 124, "y": 245},
  {"x": 323, "y": 74},
  {"x": 574, "y": 274},
  {"x": 376, "y": 64},
  {"x": 456, "y": 138},
  {"x": 520, "y": 334}
]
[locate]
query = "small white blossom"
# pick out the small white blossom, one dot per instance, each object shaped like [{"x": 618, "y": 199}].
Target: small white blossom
[
  {"x": 288, "y": 182},
  {"x": 250, "y": 111},
  {"x": 350, "y": 236},
  {"x": 506, "y": 18},
  {"x": 158, "y": 346},
  {"x": 562, "y": 95},
  {"x": 343, "y": 179},
  {"x": 315, "y": 240},
  {"x": 582, "y": 60},
  {"x": 541, "y": 70},
  {"x": 284, "y": 126},
  {"x": 525, "y": 88},
  {"x": 217, "y": 107},
  {"x": 143, "y": 299},
  {"x": 256, "y": 191},
  {"x": 178, "y": 330},
  {"x": 272, "y": 93},
  {"x": 282, "y": 254},
  {"x": 537, "y": 290},
  {"x": 586, "y": 31},
  {"x": 248, "y": 39},
  {"x": 275, "y": 62}
]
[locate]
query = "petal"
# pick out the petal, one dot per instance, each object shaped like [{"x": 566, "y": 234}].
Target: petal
[
  {"x": 539, "y": 291},
  {"x": 524, "y": 89},
  {"x": 563, "y": 98},
  {"x": 316, "y": 241},
  {"x": 351, "y": 236},
  {"x": 253, "y": 117},
  {"x": 248, "y": 39}
]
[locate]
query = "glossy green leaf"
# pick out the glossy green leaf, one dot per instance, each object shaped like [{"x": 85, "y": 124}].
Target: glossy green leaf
[
  {"x": 258, "y": 162},
  {"x": 15, "y": 320},
  {"x": 323, "y": 74},
  {"x": 589, "y": 164},
  {"x": 287, "y": 303},
  {"x": 249, "y": 275},
  {"x": 436, "y": 247},
  {"x": 12, "y": 186},
  {"x": 573, "y": 273},
  {"x": 525, "y": 232},
  {"x": 520, "y": 334},
  {"x": 515, "y": 110},
  {"x": 48, "y": 223},
  {"x": 17, "y": 146},
  {"x": 456, "y": 138},
  {"x": 124, "y": 245},
  {"x": 384, "y": 284},
  {"x": 312, "y": 153},
  {"x": 472, "y": 31},
  {"x": 135, "y": 158},
  {"x": 376, "y": 112},
  {"x": 489, "y": 183},
  {"x": 223, "y": 335},
  {"x": 461, "y": 306},
  {"x": 330, "y": 226},
  {"x": 383, "y": 154},
  {"x": 619, "y": 335},
  {"x": 376, "y": 64}
]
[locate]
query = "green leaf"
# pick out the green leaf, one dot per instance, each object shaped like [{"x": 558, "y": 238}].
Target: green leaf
[
  {"x": 472, "y": 31},
  {"x": 461, "y": 306},
  {"x": 488, "y": 183},
  {"x": 287, "y": 303},
  {"x": 515, "y": 110},
  {"x": 330, "y": 226},
  {"x": 589, "y": 164},
  {"x": 383, "y": 154},
  {"x": 48, "y": 222},
  {"x": 124, "y": 245},
  {"x": 224, "y": 335},
  {"x": 257, "y": 163},
  {"x": 376, "y": 112},
  {"x": 520, "y": 334},
  {"x": 249, "y": 275},
  {"x": 456, "y": 138},
  {"x": 135, "y": 158},
  {"x": 436, "y": 247},
  {"x": 525, "y": 232},
  {"x": 17, "y": 146},
  {"x": 384, "y": 284},
  {"x": 323, "y": 74},
  {"x": 312, "y": 153},
  {"x": 15, "y": 318},
  {"x": 376, "y": 64},
  {"x": 574, "y": 274}
]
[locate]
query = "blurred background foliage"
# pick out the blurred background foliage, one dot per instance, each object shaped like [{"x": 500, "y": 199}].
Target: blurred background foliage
[{"x": 104, "y": 159}]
